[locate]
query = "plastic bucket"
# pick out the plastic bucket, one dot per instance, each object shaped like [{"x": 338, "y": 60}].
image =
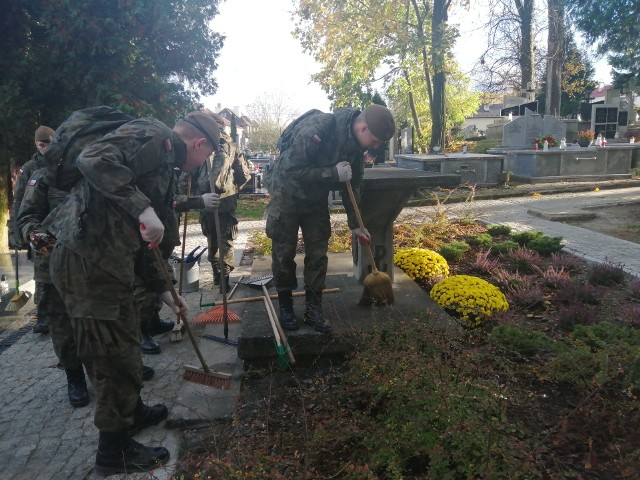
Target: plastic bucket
[{"x": 190, "y": 275}]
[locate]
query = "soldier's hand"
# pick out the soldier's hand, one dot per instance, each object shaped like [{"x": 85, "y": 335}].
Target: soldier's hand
[
  {"x": 151, "y": 228},
  {"x": 364, "y": 238},
  {"x": 211, "y": 200},
  {"x": 343, "y": 170},
  {"x": 41, "y": 243},
  {"x": 178, "y": 309}
]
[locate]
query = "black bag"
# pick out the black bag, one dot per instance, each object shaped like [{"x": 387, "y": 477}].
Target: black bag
[{"x": 82, "y": 128}]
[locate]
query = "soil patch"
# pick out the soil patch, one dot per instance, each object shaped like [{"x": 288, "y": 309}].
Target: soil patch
[{"x": 619, "y": 221}]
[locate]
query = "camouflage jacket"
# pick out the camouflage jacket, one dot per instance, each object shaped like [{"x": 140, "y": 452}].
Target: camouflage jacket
[
  {"x": 304, "y": 170},
  {"x": 38, "y": 200},
  {"x": 231, "y": 171},
  {"x": 123, "y": 173},
  {"x": 35, "y": 163}
]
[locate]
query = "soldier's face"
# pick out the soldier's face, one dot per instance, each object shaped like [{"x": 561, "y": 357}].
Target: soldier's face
[
  {"x": 198, "y": 150},
  {"x": 365, "y": 138},
  {"x": 41, "y": 146}
]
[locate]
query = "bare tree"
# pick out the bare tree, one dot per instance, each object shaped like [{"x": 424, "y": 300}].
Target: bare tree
[
  {"x": 509, "y": 62},
  {"x": 269, "y": 113}
]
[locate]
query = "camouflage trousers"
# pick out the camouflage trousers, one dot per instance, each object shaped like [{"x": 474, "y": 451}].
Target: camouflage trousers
[
  {"x": 107, "y": 331},
  {"x": 229, "y": 232},
  {"x": 282, "y": 229},
  {"x": 51, "y": 309},
  {"x": 147, "y": 304}
]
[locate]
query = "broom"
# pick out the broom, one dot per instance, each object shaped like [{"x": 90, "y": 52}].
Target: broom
[
  {"x": 203, "y": 376},
  {"x": 18, "y": 300},
  {"x": 176, "y": 333},
  {"x": 377, "y": 285}
]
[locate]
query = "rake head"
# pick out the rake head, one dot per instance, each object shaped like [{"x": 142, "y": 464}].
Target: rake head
[
  {"x": 257, "y": 282},
  {"x": 216, "y": 315}
]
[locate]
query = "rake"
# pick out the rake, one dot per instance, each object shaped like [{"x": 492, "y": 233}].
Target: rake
[
  {"x": 262, "y": 282},
  {"x": 203, "y": 376},
  {"x": 216, "y": 315}
]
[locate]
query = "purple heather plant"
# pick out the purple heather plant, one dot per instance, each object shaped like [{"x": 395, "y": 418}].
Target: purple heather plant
[
  {"x": 634, "y": 287},
  {"x": 485, "y": 264},
  {"x": 554, "y": 277},
  {"x": 523, "y": 259},
  {"x": 570, "y": 263},
  {"x": 525, "y": 297},
  {"x": 607, "y": 273},
  {"x": 573, "y": 292},
  {"x": 575, "y": 314}
]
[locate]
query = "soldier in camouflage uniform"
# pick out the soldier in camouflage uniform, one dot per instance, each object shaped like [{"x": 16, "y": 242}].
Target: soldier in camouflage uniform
[
  {"x": 102, "y": 230},
  {"x": 231, "y": 171},
  {"x": 318, "y": 153},
  {"x": 42, "y": 139}
]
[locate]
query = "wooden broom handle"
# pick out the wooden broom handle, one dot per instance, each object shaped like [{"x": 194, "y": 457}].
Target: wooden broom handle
[
  {"x": 184, "y": 238},
  {"x": 216, "y": 218},
  {"x": 374, "y": 269},
  {"x": 176, "y": 300},
  {"x": 277, "y": 323},
  {"x": 275, "y": 295}
]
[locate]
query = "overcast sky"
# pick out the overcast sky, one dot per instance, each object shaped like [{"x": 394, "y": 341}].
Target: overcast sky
[{"x": 260, "y": 55}]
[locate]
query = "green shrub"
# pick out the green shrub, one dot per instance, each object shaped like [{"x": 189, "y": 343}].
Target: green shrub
[
  {"x": 546, "y": 245},
  {"x": 454, "y": 251},
  {"x": 503, "y": 247},
  {"x": 498, "y": 230},
  {"x": 524, "y": 238},
  {"x": 482, "y": 146},
  {"x": 521, "y": 341},
  {"x": 479, "y": 240},
  {"x": 260, "y": 243}
]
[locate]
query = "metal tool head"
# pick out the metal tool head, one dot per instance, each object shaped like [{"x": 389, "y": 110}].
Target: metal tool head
[{"x": 257, "y": 282}]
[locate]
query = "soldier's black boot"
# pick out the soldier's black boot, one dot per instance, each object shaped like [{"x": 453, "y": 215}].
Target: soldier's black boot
[
  {"x": 313, "y": 311},
  {"x": 147, "y": 373},
  {"x": 41, "y": 325},
  {"x": 148, "y": 344},
  {"x": 287, "y": 316},
  {"x": 216, "y": 273},
  {"x": 158, "y": 326},
  {"x": 77, "y": 388},
  {"x": 145, "y": 416},
  {"x": 119, "y": 453}
]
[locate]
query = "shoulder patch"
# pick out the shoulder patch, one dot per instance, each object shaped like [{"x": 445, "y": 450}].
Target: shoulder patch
[
  {"x": 315, "y": 138},
  {"x": 167, "y": 145},
  {"x": 21, "y": 171},
  {"x": 32, "y": 182}
]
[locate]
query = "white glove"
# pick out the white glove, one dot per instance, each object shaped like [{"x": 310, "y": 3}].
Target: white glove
[
  {"x": 211, "y": 201},
  {"x": 180, "y": 309},
  {"x": 363, "y": 235},
  {"x": 151, "y": 228},
  {"x": 344, "y": 171}
]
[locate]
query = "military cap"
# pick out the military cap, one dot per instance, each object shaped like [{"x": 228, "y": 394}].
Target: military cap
[
  {"x": 380, "y": 121},
  {"x": 206, "y": 124},
  {"x": 44, "y": 134}
]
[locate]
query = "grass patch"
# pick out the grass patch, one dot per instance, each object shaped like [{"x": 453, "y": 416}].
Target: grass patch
[{"x": 251, "y": 207}]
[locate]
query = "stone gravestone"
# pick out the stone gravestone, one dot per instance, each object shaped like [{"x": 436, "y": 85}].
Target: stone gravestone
[
  {"x": 406, "y": 140},
  {"x": 554, "y": 127},
  {"x": 522, "y": 131}
]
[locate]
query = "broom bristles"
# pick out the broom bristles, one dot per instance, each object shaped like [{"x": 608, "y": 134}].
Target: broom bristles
[
  {"x": 210, "y": 379},
  {"x": 18, "y": 301},
  {"x": 377, "y": 290}
]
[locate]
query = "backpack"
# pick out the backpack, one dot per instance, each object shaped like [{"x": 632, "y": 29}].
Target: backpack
[
  {"x": 82, "y": 128},
  {"x": 289, "y": 132}
]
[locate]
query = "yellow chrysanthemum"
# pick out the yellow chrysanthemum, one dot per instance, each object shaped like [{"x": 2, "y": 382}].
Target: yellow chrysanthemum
[
  {"x": 472, "y": 298},
  {"x": 421, "y": 263}
]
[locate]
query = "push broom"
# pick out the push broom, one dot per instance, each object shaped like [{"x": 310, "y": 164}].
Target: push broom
[
  {"x": 377, "y": 285},
  {"x": 203, "y": 376}
]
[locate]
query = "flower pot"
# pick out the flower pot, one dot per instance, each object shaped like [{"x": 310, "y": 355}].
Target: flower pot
[{"x": 583, "y": 142}]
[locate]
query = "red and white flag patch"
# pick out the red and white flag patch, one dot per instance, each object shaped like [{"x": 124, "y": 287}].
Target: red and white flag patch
[
  {"x": 32, "y": 182},
  {"x": 315, "y": 138}
]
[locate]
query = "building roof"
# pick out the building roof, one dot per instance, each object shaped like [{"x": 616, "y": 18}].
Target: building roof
[{"x": 492, "y": 110}]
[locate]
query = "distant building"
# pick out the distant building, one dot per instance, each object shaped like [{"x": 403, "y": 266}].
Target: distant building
[
  {"x": 476, "y": 125},
  {"x": 244, "y": 125}
]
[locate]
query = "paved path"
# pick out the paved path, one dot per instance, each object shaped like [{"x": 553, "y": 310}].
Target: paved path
[{"x": 42, "y": 437}]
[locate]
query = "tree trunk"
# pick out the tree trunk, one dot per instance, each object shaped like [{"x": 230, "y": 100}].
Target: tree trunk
[
  {"x": 555, "y": 57},
  {"x": 438, "y": 60},
  {"x": 5, "y": 182},
  {"x": 525, "y": 11}
]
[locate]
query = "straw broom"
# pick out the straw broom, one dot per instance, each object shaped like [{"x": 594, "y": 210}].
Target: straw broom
[
  {"x": 377, "y": 285},
  {"x": 18, "y": 300},
  {"x": 204, "y": 375}
]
